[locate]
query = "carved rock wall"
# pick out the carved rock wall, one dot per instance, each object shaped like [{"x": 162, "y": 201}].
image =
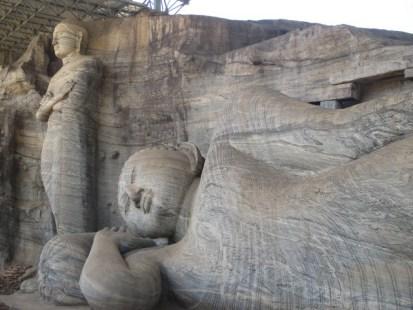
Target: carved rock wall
[
  {"x": 21, "y": 87},
  {"x": 282, "y": 239},
  {"x": 7, "y": 214},
  {"x": 167, "y": 79},
  {"x": 148, "y": 60},
  {"x": 141, "y": 102}
]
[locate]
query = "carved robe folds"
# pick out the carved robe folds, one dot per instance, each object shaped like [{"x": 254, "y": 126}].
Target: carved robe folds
[{"x": 68, "y": 155}]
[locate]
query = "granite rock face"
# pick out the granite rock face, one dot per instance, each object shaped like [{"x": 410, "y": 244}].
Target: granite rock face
[
  {"x": 149, "y": 63},
  {"x": 7, "y": 212},
  {"x": 300, "y": 206},
  {"x": 21, "y": 87},
  {"x": 30, "y": 71},
  {"x": 266, "y": 230},
  {"x": 140, "y": 102}
]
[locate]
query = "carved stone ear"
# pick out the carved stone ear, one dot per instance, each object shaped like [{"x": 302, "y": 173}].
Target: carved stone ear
[{"x": 194, "y": 155}]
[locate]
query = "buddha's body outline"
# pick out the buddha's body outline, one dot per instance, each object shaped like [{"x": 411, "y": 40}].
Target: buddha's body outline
[{"x": 68, "y": 153}]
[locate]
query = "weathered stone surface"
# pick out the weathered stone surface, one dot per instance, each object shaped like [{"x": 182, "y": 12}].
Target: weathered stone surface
[
  {"x": 59, "y": 272},
  {"x": 34, "y": 302},
  {"x": 276, "y": 233},
  {"x": 32, "y": 212},
  {"x": 29, "y": 286},
  {"x": 8, "y": 221},
  {"x": 164, "y": 93},
  {"x": 408, "y": 73},
  {"x": 148, "y": 62},
  {"x": 120, "y": 130},
  {"x": 298, "y": 207},
  {"x": 30, "y": 71}
]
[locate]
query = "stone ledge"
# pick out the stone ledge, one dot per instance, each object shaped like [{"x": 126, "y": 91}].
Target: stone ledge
[
  {"x": 408, "y": 73},
  {"x": 33, "y": 302}
]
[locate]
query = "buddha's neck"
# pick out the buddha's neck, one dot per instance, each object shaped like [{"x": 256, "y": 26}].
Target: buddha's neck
[
  {"x": 69, "y": 58},
  {"x": 186, "y": 211}
]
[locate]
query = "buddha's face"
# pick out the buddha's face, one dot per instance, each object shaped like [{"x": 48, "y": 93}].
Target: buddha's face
[
  {"x": 64, "y": 42},
  {"x": 152, "y": 186}
]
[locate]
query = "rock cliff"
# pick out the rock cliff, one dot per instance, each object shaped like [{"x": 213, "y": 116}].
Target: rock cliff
[
  {"x": 168, "y": 78},
  {"x": 7, "y": 216}
]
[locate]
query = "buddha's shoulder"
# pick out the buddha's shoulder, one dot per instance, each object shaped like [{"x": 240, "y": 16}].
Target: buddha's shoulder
[{"x": 88, "y": 61}]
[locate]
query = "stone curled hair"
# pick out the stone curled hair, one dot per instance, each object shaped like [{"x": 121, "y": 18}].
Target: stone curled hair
[
  {"x": 194, "y": 155},
  {"x": 190, "y": 150}
]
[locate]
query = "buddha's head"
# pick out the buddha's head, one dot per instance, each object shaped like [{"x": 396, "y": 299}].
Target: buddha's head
[
  {"x": 152, "y": 186},
  {"x": 69, "y": 37}
]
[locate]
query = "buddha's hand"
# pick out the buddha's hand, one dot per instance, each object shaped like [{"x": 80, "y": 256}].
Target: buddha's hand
[{"x": 125, "y": 240}]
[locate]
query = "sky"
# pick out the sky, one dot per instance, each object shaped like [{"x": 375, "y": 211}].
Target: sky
[{"x": 382, "y": 14}]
